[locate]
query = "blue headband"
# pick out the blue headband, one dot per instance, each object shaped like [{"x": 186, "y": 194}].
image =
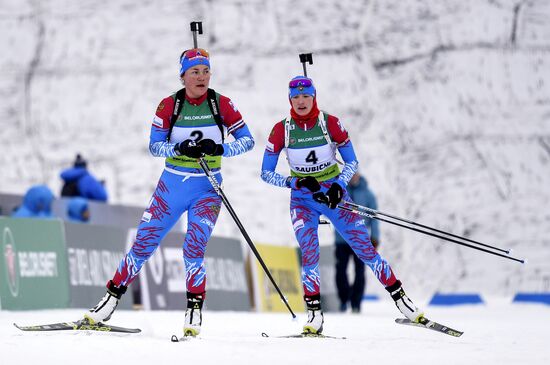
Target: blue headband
[
  {"x": 192, "y": 58},
  {"x": 301, "y": 85}
]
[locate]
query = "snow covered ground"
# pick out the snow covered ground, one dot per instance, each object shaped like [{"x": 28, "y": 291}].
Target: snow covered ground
[{"x": 497, "y": 333}]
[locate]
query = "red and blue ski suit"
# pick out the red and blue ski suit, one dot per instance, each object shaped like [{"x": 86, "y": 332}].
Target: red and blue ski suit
[
  {"x": 311, "y": 151},
  {"x": 183, "y": 185}
]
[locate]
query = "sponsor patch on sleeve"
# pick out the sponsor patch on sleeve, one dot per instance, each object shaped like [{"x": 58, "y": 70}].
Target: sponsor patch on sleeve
[
  {"x": 146, "y": 217},
  {"x": 157, "y": 121},
  {"x": 270, "y": 147},
  {"x": 299, "y": 224}
]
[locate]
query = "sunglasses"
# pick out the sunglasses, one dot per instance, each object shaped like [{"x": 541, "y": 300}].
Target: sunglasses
[
  {"x": 303, "y": 82},
  {"x": 194, "y": 53}
]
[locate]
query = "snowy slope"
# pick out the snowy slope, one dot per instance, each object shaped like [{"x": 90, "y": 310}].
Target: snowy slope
[
  {"x": 447, "y": 104},
  {"x": 235, "y": 338}
]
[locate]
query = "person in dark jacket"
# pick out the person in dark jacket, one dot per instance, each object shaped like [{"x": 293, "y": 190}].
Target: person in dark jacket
[
  {"x": 360, "y": 194},
  {"x": 37, "y": 203},
  {"x": 79, "y": 182}
]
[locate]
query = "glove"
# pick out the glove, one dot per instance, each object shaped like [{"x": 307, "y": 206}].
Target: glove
[
  {"x": 188, "y": 148},
  {"x": 320, "y": 198},
  {"x": 334, "y": 194},
  {"x": 308, "y": 182},
  {"x": 209, "y": 147}
]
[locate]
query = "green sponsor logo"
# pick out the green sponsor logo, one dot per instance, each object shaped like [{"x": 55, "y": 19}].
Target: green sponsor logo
[{"x": 33, "y": 266}]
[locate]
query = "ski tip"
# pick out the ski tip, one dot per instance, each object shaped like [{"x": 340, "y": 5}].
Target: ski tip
[{"x": 22, "y": 328}]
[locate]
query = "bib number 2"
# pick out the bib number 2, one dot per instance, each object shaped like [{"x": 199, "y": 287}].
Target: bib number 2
[{"x": 196, "y": 136}]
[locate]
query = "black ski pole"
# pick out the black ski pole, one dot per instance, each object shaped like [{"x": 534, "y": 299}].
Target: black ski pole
[
  {"x": 376, "y": 212},
  {"x": 373, "y": 216},
  {"x": 196, "y": 27},
  {"x": 220, "y": 192},
  {"x": 306, "y": 58}
]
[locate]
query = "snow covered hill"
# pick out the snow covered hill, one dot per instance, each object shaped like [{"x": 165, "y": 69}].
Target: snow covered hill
[{"x": 447, "y": 103}]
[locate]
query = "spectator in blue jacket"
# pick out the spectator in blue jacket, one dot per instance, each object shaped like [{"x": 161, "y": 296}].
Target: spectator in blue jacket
[
  {"x": 37, "y": 203},
  {"x": 353, "y": 294},
  {"x": 79, "y": 182},
  {"x": 77, "y": 210}
]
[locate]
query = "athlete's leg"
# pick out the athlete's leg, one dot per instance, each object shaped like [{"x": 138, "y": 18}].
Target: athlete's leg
[
  {"x": 202, "y": 216},
  {"x": 352, "y": 228},
  {"x": 165, "y": 208},
  {"x": 305, "y": 222}
]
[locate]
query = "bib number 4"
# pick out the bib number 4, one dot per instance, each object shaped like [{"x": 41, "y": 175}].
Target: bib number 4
[{"x": 312, "y": 158}]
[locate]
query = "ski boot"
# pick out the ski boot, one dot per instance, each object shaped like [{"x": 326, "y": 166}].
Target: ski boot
[
  {"x": 193, "y": 314},
  {"x": 403, "y": 302},
  {"x": 315, "y": 318},
  {"x": 104, "y": 309}
]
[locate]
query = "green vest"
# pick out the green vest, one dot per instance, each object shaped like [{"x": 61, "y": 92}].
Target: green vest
[
  {"x": 195, "y": 122},
  {"x": 309, "y": 153}
]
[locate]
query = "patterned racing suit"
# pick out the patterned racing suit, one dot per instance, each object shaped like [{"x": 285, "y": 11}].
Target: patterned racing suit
[
  {"x": 183, "y": 185},
  {"x": 311, "y": 151}
]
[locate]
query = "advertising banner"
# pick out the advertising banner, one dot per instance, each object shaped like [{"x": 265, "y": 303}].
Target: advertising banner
[
  {"x": 33, "y": 264},
  {"x": 284, "y": 266},
  {"x": 94, "y": 253},
  {"x": 163, "y": 277}
]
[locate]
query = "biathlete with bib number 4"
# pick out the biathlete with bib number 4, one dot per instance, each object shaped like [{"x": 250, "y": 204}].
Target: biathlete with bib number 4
[
  {"x": 188, "y": 125},
  {"x": 310, "y": 139}
]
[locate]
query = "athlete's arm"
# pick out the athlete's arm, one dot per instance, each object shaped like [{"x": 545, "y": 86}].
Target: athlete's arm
[
  {"x": 340, "y": 136},
  {"x": 158, "y": 144},
  {"x": 275, "y": 144},
  {"x": 233, "y": 121}
]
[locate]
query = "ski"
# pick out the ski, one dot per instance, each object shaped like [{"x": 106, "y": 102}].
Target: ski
[
  {"x": 305, "y": 335},
  {"x": 431, "y": 325},
  {"x": 81, "y": 325}
]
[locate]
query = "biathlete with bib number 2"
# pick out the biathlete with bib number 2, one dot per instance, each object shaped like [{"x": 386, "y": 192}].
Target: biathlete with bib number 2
[
  {"x": 310, "y": 139},
  {"x": 187, "y": 125}
]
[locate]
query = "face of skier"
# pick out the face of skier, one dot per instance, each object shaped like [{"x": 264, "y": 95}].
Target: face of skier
[
  {"x": 302, "y": 103},
  {"x": 196, "y": 81}
]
